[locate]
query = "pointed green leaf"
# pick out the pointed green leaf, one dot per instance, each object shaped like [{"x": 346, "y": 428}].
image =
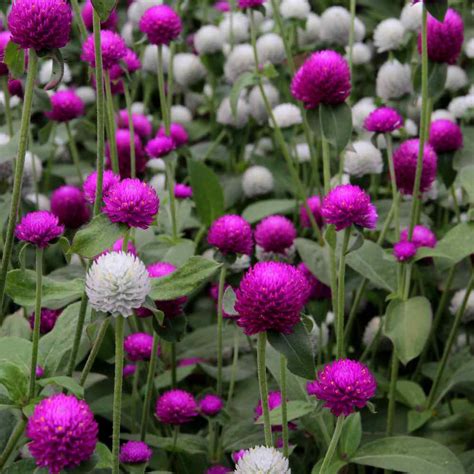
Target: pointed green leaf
[
  {"x": 336, "y": 122},
  {"x": 15, "y": 59}
]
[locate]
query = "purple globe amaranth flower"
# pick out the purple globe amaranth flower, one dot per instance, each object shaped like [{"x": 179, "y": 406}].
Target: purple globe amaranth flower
[
  {"x": 344, "y": 385},
  {"x": 348, "y": 204},
  {"x": 405, "y": 160},
  {"x": 314, "y": 204},
  {"x": 118, "y": 246},
  {"x": 141, "y": 124},
  {"x": 318, "y": 290},
  {"x": 39, "y": 228},
  {"x": 324, "y": 78},
  {"x": 70, "y": 205},
  {"x": 250, "y": 3},
  {"x": 231, "y": 234},
  {"x": 87, "y": 14},
  {"x": 445, "y": 38},
  {"x": 274, "y": 401},
  {"x": 129, "y": 63},
  {"x": 40, "y": 24},
  {"x": 404, "y": 250},
  {"x": 176, "y": 407},
  {"x": 177, "y": 133},
  {"x": 160, "y": 146},
  {"x": 113, "y": 49},
  {"x": 211, "y": 405},
  {"x": 422, "y": 236},
  {"x": 218, "y": 470},
  {"x": 15, "y": 87},
  {"x": 238, "y": 455},
  {"x": 135, "y": 452},
  {"x": 270, "y": 297},
  {"x": 222, "y": 6},
  {"x": 182, "y": 191},
  {"x": 445, "y": 136},
  {"x": 5, "y": 37},
  {"x": 123, "y": 140},
  {"x": 48, "y": 319},
  {"x": 89, "y": 187},
  {"x": 190, "y": 361},
  {"x": 138, "y": 346},
  {"x": 65, "y": 106},
  {"x": 129, "y": 370},
  {"x": 275, "y": 234},
  {"x": 161, "y": 24},
  {"x": 63, "y": 433},
  {"x": 132, "y": 202},
  {"x": 383, "y": 120},
  {"x": 39, "y": 372}
]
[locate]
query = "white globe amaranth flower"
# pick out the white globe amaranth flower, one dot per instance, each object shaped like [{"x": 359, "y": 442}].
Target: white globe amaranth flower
[
  {"x": 138, "y": 8},
  {"x": 443, "y": 114},
  {"x": 46, "y": 71},
  {"x": 14, "y": 101},
  {"x": 411, "y": 16},
  {"x": 319, "y": 337},
  {"x": 330, "y": 318},
  {"x": 456, "y": 78},
  {"x": 33, "y": 166},
  {"x": 302, "y": 152},
  {"x": 393, "y": 80},
  {"x": 457, "y": 301},
  {"x": 364, "y": 159},
  {"x": 311, "y": 33},
  {"x": 371, "y": 330},
  {"x": 262, "y": 460},
  {"x": 264, "y": 145},
  {"x": 270, "y": 48},
  {"x": 361, "y": 53},
  {"x": 117, "y": 283},
  {"x": 258, "y": 109},
  {"x": 410, "y": 127},
  {"x": 389, "y": 35},
  {"x": 297, "y": 9},
  {"x": 127, "y": 33},
  {"x": 361, "y": 110},
  {"x": 188, "y": 69},
  {"x": 226, "y": 117},
  {"x": 257, "y": 181},
  {"x": 156, "y": 165},
  {"x": 239, "y": 25},
  {"x": 459, "y": 106},
  {"x": 469, "y": 48},
  {"x": 209, "y": 39},
  {"x": 86, "y": 94},
  {"x": 240, "y": 60},
  {"x": 287, "y": 115},
  {"x": 180, "y": 113},
  {"x": 138, "y": 108},
  {"x": 432, "y": 193},
  {"x": 267, "y": 25},
  {"x": 44, "y": 204},
  {"x": 336, "y": 24},
  {"x": 150, "y": 58},
  {"x": 158, "y": 182}
]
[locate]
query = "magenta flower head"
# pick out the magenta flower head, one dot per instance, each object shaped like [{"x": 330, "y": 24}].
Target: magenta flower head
[
  {"x": 40, "y": 24},
  {"x": 118, "y": 246},
  {"x": 231, "y": 234},
  {"x": 314, "y": 204},
  {"x": 65, "y": 106},
  {"x": 161, "y": 24},
  {"x": 404, "y": 250},
  {"x": 110, "y": 179},
  {"x": 238, "y": 455},
  {"x": 422, "y": 236},
  {"x": 132, "y": 202},
  {"x": 190, "y": 361},
  {"x": 39, "y": 372},
  {"x": 211, "y": 405},
  {"x": 318, "y": 290},
  {"x": 123, "y": 140},
  {"x": 141, "y": 124},
  {"x": 70, "y": 205},
  {"x": 160, "y": 146},
  {"x": 324, "y": 78},
  {"x": 182, "y": 191},
  {"x": 130, "y": 63},
  {"x": 15, "y": 87},
  {"x": 445, "y": 38},
  {"x": 274, "y": 401},
  {"x": 383, "y": 120},
  {"x": 176, "y": 407},
  {"x": 39, "y": 228},
  {"x": 113, "y": 49},
  {"x": 270, "y": 297},
  {"x": 275, "y": 234},
  {"x": 5, "y": 37},
  {"x": 218, "y": 470},
  {"x": 348, "y": 204},
  {"x": 344, "y": 385},
  {"x": 405, "y": 159},
  {"x": 138, "y": 346},
  {"x": 48, "y": 319},
  {"x": 63, "y": 433},
  {"x": 243, "y": 4},
  {"x": 135, "y": 452},
  {"x": 445, "y": 136},
  {"x": 177, "y": 132},
  {"x": 222, "y": 6},
  {"x": 87, "y": 14},
  {"x": 129, "y": 370}
]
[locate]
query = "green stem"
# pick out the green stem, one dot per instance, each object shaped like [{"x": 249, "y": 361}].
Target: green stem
[
  {"x": 133, "y": 160},
  {"x": 284, "y": 410},
  {"x": 94, "y": 351},
  {"x": 12, "y": 441},
  {"x": 149, "y": 387},
  {"x": 117, "y": 408},
  {"x": 111, "y": 119},
  {"x": 80, "y": 22},
  {"x": 173, "y": 365},
  {"x": 393, "y": 181},
  {"x": 351, "y": 32},
  {"x": 8, "y": 111},
  {"x": 170, "y": 89},
  {"x": 214, "y": 145},
  {"x": 332, "y": 445},
  {"x": 170, "y": 185},
  {"x": 340, "y": 295},
  {"x": 391, "y": 393},
  {"x": 220, "y": 323},
  {"x": 326, "y": 163},
  {"x": 161, "y": 90},
  {"x": 235, "y": 362},
  {"x": 262, "y": 379},
  {"x": 74, "y": 153},
  {"x": 78, "y": 334}
]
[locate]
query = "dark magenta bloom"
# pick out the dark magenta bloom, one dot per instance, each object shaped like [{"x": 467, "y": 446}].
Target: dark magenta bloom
[
  {"x": 161, "y": 24},
  {"x": 65, "y": 106},
  {"x": 318, "y": 290},
  {"x": 129, "y": 370},
  {"x": 123, "y": 139},
  {"x": 182, "y": 191},
  {"x": 422, "y": 236},
  {"x": 39, "y": 372},
  {"x": 177, "y": 133},
  {"x": 160, "y": 146},
  {"x": 138, "y": 346},
  {"x": 445, "y": 136},
  {"x": 383, "y": 120},
  {"x": 113, "y": 49},
  {"x": 15, "y": 87},
  {"x": 118, "y": 246},
  {"x": 39, "y": 228},
  {"x": 211, "y": 405},
  {"x": 190, "y": 361},
  {"x": 110, "y": 179},
  {"x": 135, "y": 452},
  {"x": 222, "y": 6},
  {"x": 129, "y": 63},
  {"x": 218, "y": 470},
  {"x": 87, "y": 14},
  {"x": 314, "y": 204},
  {"x": 176, "y": 407},
  {"x": 5, "y": 37},
  {"x": 238, "y": 455},
  {"x": 404, "y": 250},
  {"x": 48, "y": 319},
  {"x": 141, "y": 123},
  {"x": 250, "y": 3},
  {"x": 274, "y": 401},
  {"x": 231, "y": 234},
  {"x": 62, "y": 431},
  {"x": 70, "y": 205},
  {"x": 343, "y": 385},
  {"x": 275, "y": 234}
]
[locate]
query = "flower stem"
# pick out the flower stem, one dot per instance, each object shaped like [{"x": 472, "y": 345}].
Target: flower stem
[
  {"x": 235, "y": 362},
  {"x": 284, "y": 411},
  {"x": 262, "y": 379},
  {"x": 94, "y": 351},
  {"x": 77, "y": 335},
  {"x": 332, "y": 445},
  {"x": 74, "y": 153},
  {"x": 220, "y": 323},
  {"x": 391, "y": 393},
  {"x": 131, "y": 127},
  {"x": 326, "y": 163},
  {"x": 173, "y": 365},
  {"x": 351, "y": 32},
  {"x": 340, "y": 294},
  {"x": 170, "y": 185},
  {"x": 12, "y": 441},
  {"x": 117, "y": 409},
  {"x": 161, "y": 90},
  {"x": 8, "y": 111},
  {"x": 80, "y": 22},
  {"x": 395, "y": 193},
  {"x": 111, "y": 120}
]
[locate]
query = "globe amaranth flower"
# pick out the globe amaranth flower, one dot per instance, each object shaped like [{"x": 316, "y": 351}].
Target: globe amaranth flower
[
  {"x": 314, "y": 204},
  {"x": 135, "y": 452},
  {"x": 318, "y": 290},
  {"x": 132, "y": 202},
  {"x": 343, "y": 385},
  {"x": 262, "y": 460},
  {"x": 178, "y": 134},
  {"x": 231, "y": 234},
  {"x": 138, "y": 346},
  {"x": 274, "y": 401},
  {"x": 218, "y": 470},
  {"x": 70, "y": 206},
  {"x": 123, "y": 141},
  {"x": 40, "y": 24},
  {"x": 405, "y": 161},
  {"x": 129, "y": 370},
  {"x": 363, "y": 158},
  {"x": 422, "y": 236},
  {"x": 389, "y": 35},
  {"x": 393, "y": 80},
  {"x": 65, "y": 106},
  {"x": 190, "y": 361},
  {"x": 445, "y": 38},
  {"x": 182, "y": 191},
  {"x": 113, "y": 49},
  {"x": 445, "y": 136},
  {"x": 335, "y": 26},
  {"x": 275, "y": 234},
  {"x": 348, "y": 204},
  {"x": 238, "y": 455},
  {"x": 141, "y": 123},
  {"x": 5, "y": 37},
  {"x": 87, "y": 14},
  {"x": 109, "y": 180},
  {"x": 211, "y": 405},
  {"x": 161, "y": 24},
  {"x": 130, "y": 63},
  {"x": 48, "y": 319},
  {"x": 250, "y": 3},
  {"x": 324, "y": 78},
  {"x": 62, "y": 431},
  {"x": 404, "y": 250},
  {"x": 257, "y": 181},
  {"x": 176, "y": 407},
  {"x": 15, "y": 88},
  {"x": 160, "y": 146},
  {"x": 271, "y": 296},
  {"x": 39, "y": 228},
  {"x": 222, "y": 6},
  {"x": 383, "y": 120},
  {"x": 39, "y": 372}
]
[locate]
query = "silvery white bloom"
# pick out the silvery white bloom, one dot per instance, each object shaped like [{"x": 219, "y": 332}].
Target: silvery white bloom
[
  {"x": 432, "y": 193},
  {"x": 443, "y": 114},
  {"x": 14, "y": 101},
  {"x": 188, "y": 69},
  {"x": 180, "y": 113},
  {"x": 460, "y": 342},
  {"x": 389, "y": 35},
  {"x": 364, "y": 159},
  {"x": 226, "y": 117},
  {"x": 302, "y": 152},
  {"x": 138, "y": 8},
  {"x": 117, "y": 283},
  {"x": 240, "y": 60},
  {"x": 208, "y": 40},
  {"x": 298, "y": 9},
  {"x": 460, "y": 105},
  {"x": 335, "y": 26},
  {"x": 239, "y": 24},
  {"x": 257, "y": 106},
  {"x": 150, "y": 58},
  {"x": 156, "y": 165},
  {"x": 457, "y": 301},
  {"x": 270, "y": 48},
  {"x": 267, "y": 25},
  {"x": 287, "y": 256},
  {"x": 33, "y": 166},
  {"x": 46, "y": 71},
  {"x": 86, "y": 94},
  {"x": 158, "y": 182},
  {"x": 319, "y": 337},
  {"x": 411, "y": 128},
  {"x": 287, "y": 115},
  {"x": 469, "y": 48},
  {"x": 262, "y": 460},
  {"x": 44, "y": 204},
  {"x": 127, "y": 33},
  {"x": 471, "y": 90},
  {"x": 311, "y": 33},
  {"x": 264, "y": 145},
  {"x": 361, "y": 110},
  {"x": 361, "y": 53},
  {"x": 330, "y": 318},
  {"x": 456, "y": 78},
  {"x": 393, "y": 80},
  {"x": 4, "y": 138},
  {"x": 138, "y": 108},
  {"x": 411, "y": 16},
  {"x": 257, "y": 181},
  {"x": 371, "y": 330}
]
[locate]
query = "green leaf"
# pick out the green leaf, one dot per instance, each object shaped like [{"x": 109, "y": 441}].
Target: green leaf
[
  {"x": 258, "y": 210},
  {"x": 172, "y": 329},
  {"x": 416, "y": 419},
  {"x": 64, "y": 382},
  {"x": 410, "y": 394},
  {"x": 445, "y": 169},
  {"x": 104, "y": 8},
  {"x": 162, "y": 249},
  {"x": 58, "y": 69},
  {"x": 14, "y": 379},
  {"x": 334, "y": 468},
  {"x": 467, "y": 181},
  {"x": 437, "y": 8},
  {"x": 315, "y": 257},
  {"x": 409, "y": 454},
  {"x": 408, "y": 325},
  {"x": 15, "y": 59},
  {"x": 296, "y": 347},
  {"x": 351, "y": 435},
  {"x": 16, "y": 350},
  {"x": 186, "y": 443},
  {"x": 164, "y": 380},
  {"x": 245, "y": 80},
  {"x": 242, "y": 435},
  {"x": 295, "y": 409},
  {"x": 16, "y": 325},
  {"x": 336, "y": 121},
  {"x": 437, "y": 73},
  {"x": 21, "y": 467},
  {"x": 104, "y": 456}
]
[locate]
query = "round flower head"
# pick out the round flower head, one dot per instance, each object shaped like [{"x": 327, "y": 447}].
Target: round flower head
[
  {"x": 271, "y": 296},
  {"x": 456, "y": 78},
  {"x": 383, "y": 120},
  {"x": 39, "y": 372},
  {"x": 363, "y": 159},
  {"x": 138, "y": 346},
  {"x": 257, "y": 181},
  {"x": 298, "y": 9},
  {"x": 404, "y": 250},
  {"x": 286, "y": 115},
  {"x": 110, "y": 179},
  {"x": 250, "y": 3},
  {"x": 161, "y": 24},
  {"x": 394, "y": 80},
  {"x": 69, "y": 205},
  {"x": 238, "y": 455},
  {"x": 4, "y": 40},
  {"x": 275, "y": 234},
  {"x": 160, "y": 146},
  {"x": 222, "y": 6},
  {"x": 457, "y": 301},
  {"x": 445, "y": 136},
  {"x": 271, "y": 49},
  {"x": 262, "y": 460},
  {"x": 117, "y": 283},
  {"x": 65, "y": 106},
  {"x": 40, "y": 24},
  {"x": 344, "y": 385},
  {"x": 318, "y": 290},
  {"x": 182, "y": 191},
  {"x": 188, "y": 70},
  {"x": 445, "y": 39},
  {"x": 15, "y": 87},
  {"x": 348, "y": 204},
  {"x": 389, "y": 35},
  {"x": 231, "y": 234},
  {"x": 62, "y": 431},
  {"x": 208, "y": 40},
  {"x": 274, "y": 401},
  {"x": 132, "y": 202},
  {"x": 141, "y": 123},
  {"x": 226, "y": 117},
  {"x": 411, "y": 16},
  {"x": 218, "y": 470},
  {"x": 129, "y": 370},
  {"x": 405, "y": 160},
  {"x": 48, "y": 319},
  {"x": 87, "y": 14},
  {"x": 176, "y": 407},
  {"x": 178, "y": 134},
  {"x": 135, "y": 452},
  {"x": 211, "y": 405},
  {"x": 335, "y": 26},
  {"x": 112, "y": 45},
  {"x": 324, "y": 78},
  {"x": 422, "y": 236},
  {"x": 129, "y": 63},
  {"x": 123, "y": 140},
  {"x": 39, "y": 228},
  {"x": 314, "y": 204}
]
